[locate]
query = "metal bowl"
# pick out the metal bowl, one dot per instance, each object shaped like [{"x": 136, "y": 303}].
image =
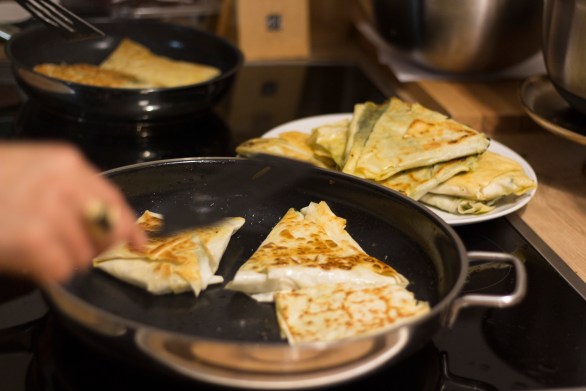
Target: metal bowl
[
  {"x": 564, "y": 39},
  {"x": 461, "y": 36}
]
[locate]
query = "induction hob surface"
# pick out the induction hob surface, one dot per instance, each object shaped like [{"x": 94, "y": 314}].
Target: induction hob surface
[{"x": 538, "y": 344}]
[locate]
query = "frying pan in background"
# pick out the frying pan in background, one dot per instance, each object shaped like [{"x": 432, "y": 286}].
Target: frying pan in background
[
  {"x": 228, "y": 339},
  {"x": 39, "y": 44}
]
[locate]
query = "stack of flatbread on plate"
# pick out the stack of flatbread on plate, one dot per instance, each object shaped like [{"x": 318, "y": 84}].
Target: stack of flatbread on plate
[
  {"x": 406, "y": 147},
  {"x": 172, "y": 264},
  {"x": 324, "y": 285}
]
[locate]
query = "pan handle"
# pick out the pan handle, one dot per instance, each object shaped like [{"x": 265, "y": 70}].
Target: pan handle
[{"x": 498, "y": 301}]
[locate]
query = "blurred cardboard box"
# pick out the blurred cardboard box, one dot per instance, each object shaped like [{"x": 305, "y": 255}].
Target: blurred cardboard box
[{"x": 273, "y": 29}]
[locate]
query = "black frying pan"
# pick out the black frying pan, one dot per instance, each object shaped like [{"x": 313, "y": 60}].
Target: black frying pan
[
  {"x": 227, "y": 338},
  {"x": 39, "y": 44}
]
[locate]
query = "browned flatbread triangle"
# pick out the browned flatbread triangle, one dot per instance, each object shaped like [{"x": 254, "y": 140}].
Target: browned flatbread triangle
[
  {"x": 327, "y": 313},
  {"x": 137, "y": 60},
  {"x": 307, "y": 248},
  {"x": 178, "y": 263},
  {"x": 292, "y": 144},
  {"x": 407, "y": 136},
  {"x": 494, "y": 178}
]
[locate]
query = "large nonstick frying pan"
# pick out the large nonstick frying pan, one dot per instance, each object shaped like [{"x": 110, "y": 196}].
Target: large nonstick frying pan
[
  {"x": 226, "y": 338},
  {"x": 39, "y": 44}
]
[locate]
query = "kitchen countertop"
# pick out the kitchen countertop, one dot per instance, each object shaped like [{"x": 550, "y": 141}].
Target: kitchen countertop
[{"x": 557, "y": 213}]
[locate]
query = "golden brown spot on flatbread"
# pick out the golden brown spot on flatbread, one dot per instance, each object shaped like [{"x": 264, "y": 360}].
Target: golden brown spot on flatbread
[
  {"x": 286, "y": 234},
  {"x": 164, "y": 269},
  {"x": 150, "y": 222}
]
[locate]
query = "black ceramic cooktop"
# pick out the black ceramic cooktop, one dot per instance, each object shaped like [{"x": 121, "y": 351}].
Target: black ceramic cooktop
[{"x": 538, "y": 344}]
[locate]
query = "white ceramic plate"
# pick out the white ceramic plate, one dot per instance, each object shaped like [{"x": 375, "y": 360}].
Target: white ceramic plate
[{"x": 503, "y": 208}]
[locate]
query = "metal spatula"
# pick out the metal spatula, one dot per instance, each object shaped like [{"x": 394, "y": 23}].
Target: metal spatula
[
  {"x": 271, "y": 175},
  {"x": 61, "y": 19}
]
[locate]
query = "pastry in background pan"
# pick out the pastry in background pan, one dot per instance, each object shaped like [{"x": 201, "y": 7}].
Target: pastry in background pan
[
  {"x": 137, "y": 60},
  {"x": 173, "y": 264},
  {"x": 90, "y": 75},
  {"x": 132, "y": 65}
]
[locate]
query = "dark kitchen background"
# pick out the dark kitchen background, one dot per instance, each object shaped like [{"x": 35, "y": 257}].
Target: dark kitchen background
[{"x": 539, "y": 344}]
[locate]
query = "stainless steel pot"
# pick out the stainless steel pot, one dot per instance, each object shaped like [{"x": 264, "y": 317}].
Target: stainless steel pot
[
  {"x": 226, "y": 338},
  {"x": 461, "y": 36},
  {"x": 564, "y": 43}
]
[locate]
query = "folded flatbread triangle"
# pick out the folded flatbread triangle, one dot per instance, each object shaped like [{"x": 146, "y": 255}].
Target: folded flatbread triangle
[
  {"x": 177, "y": 263},
  {"x": 327, "y": 313},
  {"x": 291, "y": 144},
  {"x": 475, "y": 192},
  {"x": 364, "y": 119},
  {"x": 134, "y": 59},
  {"x": 417, "y": 182},
  {"x": 307, "y": 248},
  {"x": 458, "y": 205},
  {"x": 328, "y": 141},
  {"x": 406, "y": 136}
]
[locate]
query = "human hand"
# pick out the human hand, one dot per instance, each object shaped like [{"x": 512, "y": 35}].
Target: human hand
[{"x": 45, "y": 190}]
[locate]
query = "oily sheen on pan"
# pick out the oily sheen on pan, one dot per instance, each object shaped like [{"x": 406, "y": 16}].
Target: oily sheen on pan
[{"x": 174, "y": 264}]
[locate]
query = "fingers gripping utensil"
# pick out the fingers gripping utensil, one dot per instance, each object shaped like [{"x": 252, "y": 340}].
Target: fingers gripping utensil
[
  {"x": 100, "y": 220},
  {"x": 61, "y": 19}
]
